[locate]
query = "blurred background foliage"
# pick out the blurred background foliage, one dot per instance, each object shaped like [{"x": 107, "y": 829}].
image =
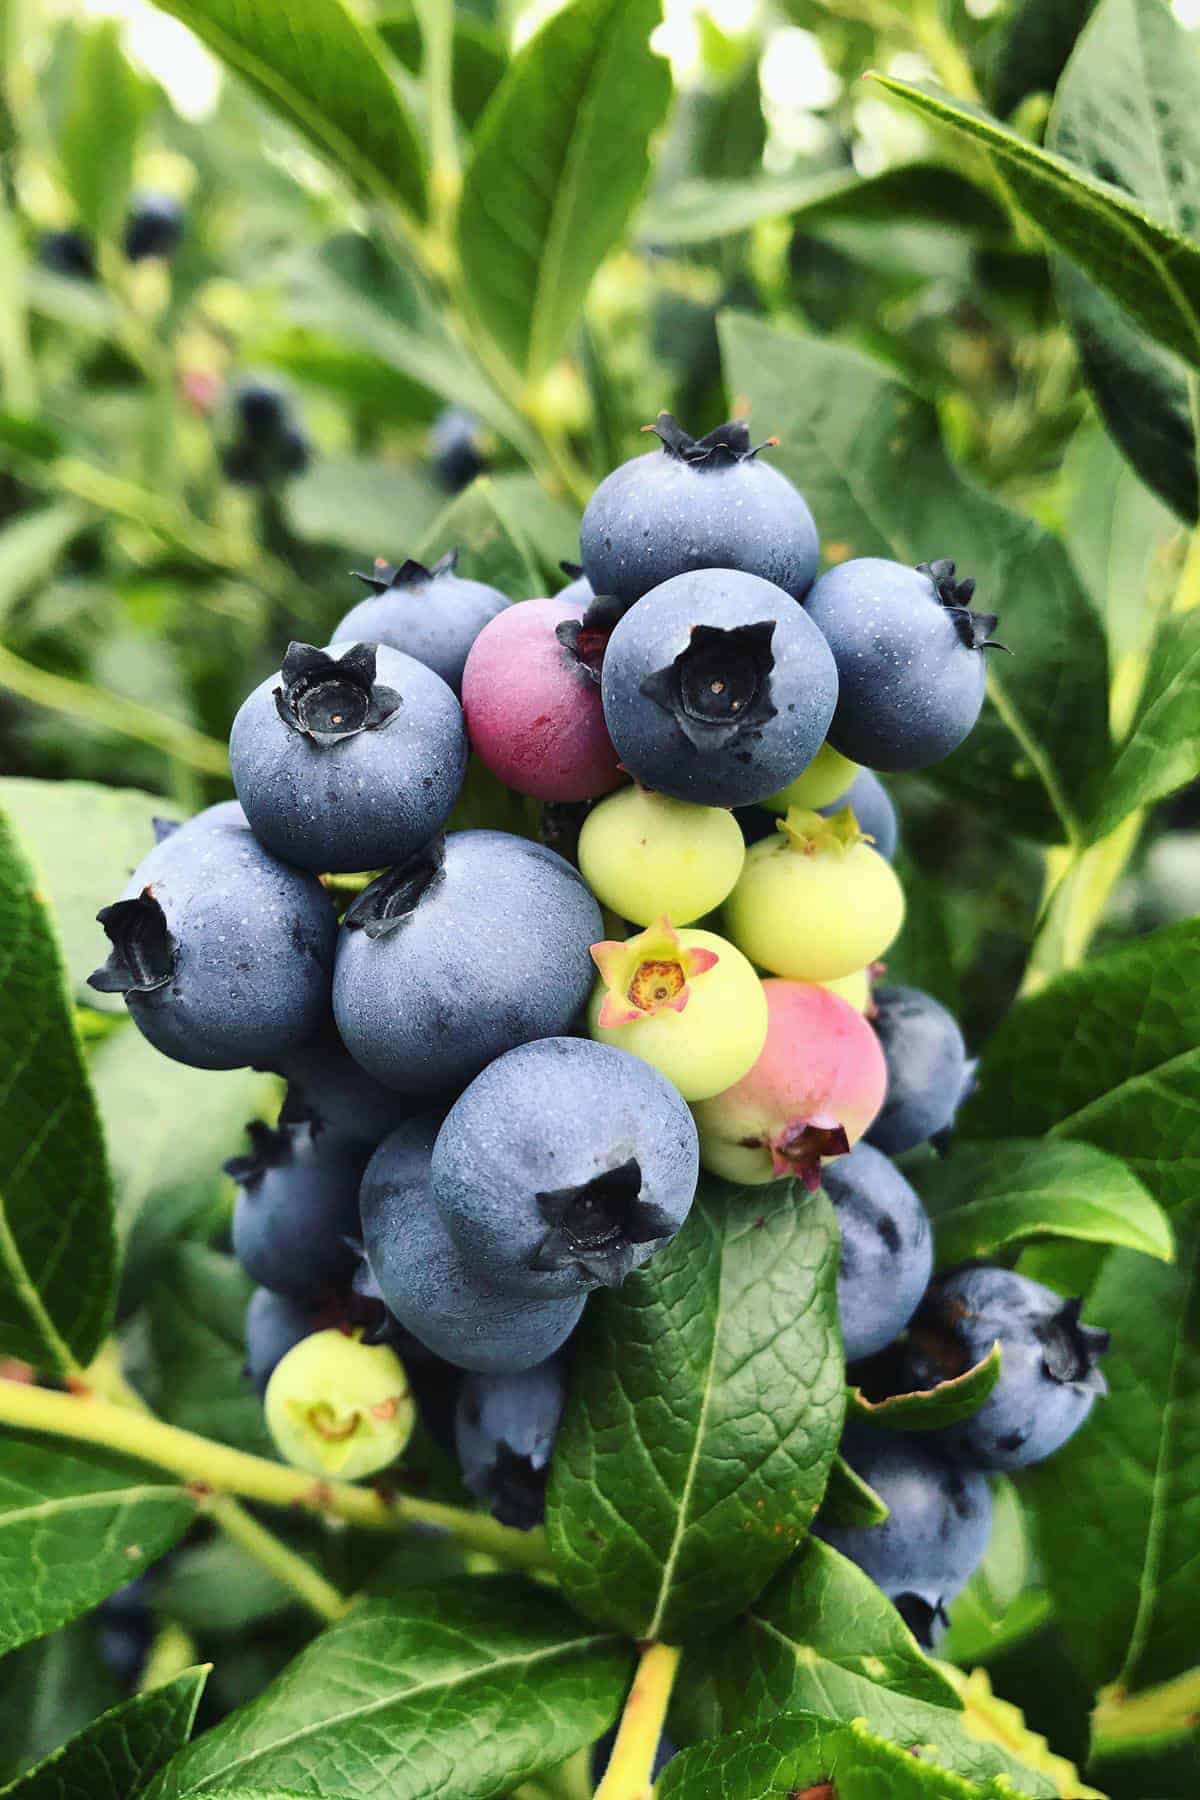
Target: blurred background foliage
[{"x": 143, "y": 591}]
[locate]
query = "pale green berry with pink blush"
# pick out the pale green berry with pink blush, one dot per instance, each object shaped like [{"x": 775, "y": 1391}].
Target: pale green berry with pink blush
[
  {"x": 686, "y": 1002},
  {"x": 816, "y": 902},
  {"x": 644, "y": 854},
  {"x": 338, "y": 1407},
  {"x": 854, "y": 989},
  {"x": 827, "y": 778}
]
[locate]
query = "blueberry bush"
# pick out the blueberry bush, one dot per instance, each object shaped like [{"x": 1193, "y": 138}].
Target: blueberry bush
[{"x": 598, "y": 1123}]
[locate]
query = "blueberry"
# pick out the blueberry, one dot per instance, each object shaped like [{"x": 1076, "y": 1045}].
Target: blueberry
[
  {"x": 225, "y": 812},
  {"x": 223, "y": 953},
  {"x": 697, "y": 504},
  {"x": 296, "y": 1218},
  {"x": 578, "y": 591},
  {"x": 432, "y": 614},
  {"x": 429, "y": 1286},
  {"x": 480, "y": 943},
  {"x": 887, "y": 1249},
  {"x": 153, "y": 226},
  {"x": 455, "y": 449},
  {"x": 1049, "y": 1373},
  {"x": 717, "y": 688},
  {"x": 929, "y": 1073},
  {"x": 871, "y": 805},
  {"x": 69, "y": 253},
  {"x": 268, "y": 443},
  {"x": 274, "y": 1325},
  {"x": 327, "y": 1088},
  {"x": 909, "y": 654},
  {"x": 349, "y": 758},
  {"x": 263, "y": 411},
  {"x": 565, "y": 1165},
  {"x": 504, "y": 1431},
  {"x": 935, "y": 1534}
]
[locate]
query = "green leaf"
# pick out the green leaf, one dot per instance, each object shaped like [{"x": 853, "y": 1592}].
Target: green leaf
[
  {"x": 163, "y": 1175},
  {"x": 118, "y": 1756},
  {"x": 312, "y": 63},
  {"x": 695, "y": 212},
  {"x": 196, "y": 1316},
  {"x": 510, "y": 533},
  {"x": 1162, "y": 751},
  {"x": 931, "y": 1409},
  {"x": 98, "y": 136},
  {"x": 1126, "y": 112},
  {"x": 50, "y": 1690},
  {"x": 479, "y": 56},
  {"x": 87, "y": 840},
  {"x": 998, "y": 1606},
  {"x": 1143, "y": 262},
  {"x": 704, "y": 1415},
  {"x": 868, "y": 455},
  {"x": 350, "y": 500},
  {"x": 823, "y": 1640},
  {"x": 75, "y": 1527},
  {"x": 31, "y": 547},
  {"x": 1108, "y": 1054},
  {"x": 561, "y": 156},
  {"x": 216, "y": 1590},
  {"x": 466, "y": 1690},
  {"x": 1117, "y": 1510},
  {"x": 1119, "y": 548},
  {"x": 800, "y": 1756},
  {"x": 991, "y": 1197},
  {"x": 848, "y": 1500},
  {"x": 57, "y": 1248}
]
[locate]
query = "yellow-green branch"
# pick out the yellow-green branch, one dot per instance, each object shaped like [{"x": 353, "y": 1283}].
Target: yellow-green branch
[{"x": 630, "y": 1772}]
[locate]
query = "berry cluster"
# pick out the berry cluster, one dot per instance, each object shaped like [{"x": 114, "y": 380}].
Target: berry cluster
[
  {"x": 154, "y": 227},
  {"x": 505, "y": 1068}
]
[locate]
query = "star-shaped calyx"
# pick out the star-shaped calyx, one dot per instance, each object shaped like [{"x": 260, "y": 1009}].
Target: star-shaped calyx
[
  {"x": 1071, "y": 1350},
  {"x": 328, "y": 698},
  {"x": 718, "y": 688},
  {"x": 598, "y": 1224},
  {"x": 516, "y": 1489},
  {"x": 395, "y": 895},
  {"x": 974, "y": 628},
  {"x": 385, "y": 579},
  {"x": 728, "y": 443},
  {"x": 802, "y": 1145},
  {"x": 648, "y": 974},
  {"x": 586, "y": 639},
  {"x": 144, "y": 953},
  {"x": 269, "y": 1149},
  {"x": 811, "y": 834}
]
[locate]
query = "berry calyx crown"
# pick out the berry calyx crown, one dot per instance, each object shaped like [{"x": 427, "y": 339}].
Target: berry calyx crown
[
  {"x": 385, "y": 579},
  {"x": 800, "y": 1147},
  {"x": 329, "y": 698},
  {"x": 598, "y": 1224},
  {"x": 729, "y": 443},
  {"x": 648, "y": 974},
  {"x": 812, "y": 834},
  {"x": 1071, "y": 1350},
  {"x": 586, "y": 639},
  {"x": 974, "y": 628},
  {"x": 393, "y": 897},
  {"x": 718, "y": 688},
  {"x": 144, "y": 954},
  {"x": 270, "y": 1148}
]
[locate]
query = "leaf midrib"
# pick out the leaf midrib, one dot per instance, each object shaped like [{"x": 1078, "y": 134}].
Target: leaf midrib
[{"x": 71, "y": 1503}]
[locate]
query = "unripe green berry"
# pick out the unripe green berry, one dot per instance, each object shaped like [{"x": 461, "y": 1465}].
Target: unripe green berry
[
  {"x": 338, "y": 1407},
  {"x": 644, "y": 854},
  {"x": 828, "y": 776}
]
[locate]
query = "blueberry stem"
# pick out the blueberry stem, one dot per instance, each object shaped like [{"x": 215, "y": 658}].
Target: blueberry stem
[
  {"x": 213, "y": 1468},
  {"x": 631, "y": 1766},
  {"x": 272, "y": 1554}
]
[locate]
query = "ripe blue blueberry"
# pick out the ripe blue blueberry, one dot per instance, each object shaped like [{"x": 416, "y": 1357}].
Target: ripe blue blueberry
[
  {"x": 349, "y": 758},
  {"x": 268, "y": 444},
  {"x": 929, "y": 1072},
  {"x": 153, "y": 226},
  {"x": 328, "y": 1089},
  {"x": 296, "y": 1218},
  {"x": 223, "y": 953},
  {"x": 706, "y": 503},
  {"x": 887, "y": 1249},
  {"x": 563, "y": 1166},
  {"x": 274, "y": 1325},
  {"x": 935, "y": 1534},
  {"x": 1049, "y": 1364},
  {"x": 432, "y": 614},
  {"x": 455, "y": 449},
  {"x": 872, "y": 807},
  {"x": 909, "y": 654},
  {"x": 433, "y": 1290},
  {"x": 481, "y": 942},
  {"x": 504, "y": 1431},
  {"x": 578, "y": 589},
  {"x": 70, "y": 253},
  {"x": 225, "y": 812},
  {"x": 717, "y": 688}
]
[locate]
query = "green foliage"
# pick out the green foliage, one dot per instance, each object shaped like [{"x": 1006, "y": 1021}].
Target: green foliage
[
  {"x": 703, "y": 1418},
  {"x": 120, "y": 1754},
  {"x": 932, "y": 1409}
]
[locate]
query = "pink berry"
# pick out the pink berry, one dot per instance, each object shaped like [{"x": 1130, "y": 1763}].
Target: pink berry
[
  {"x": 815, "y": 1089},
  {"x": 533, "y": 704}
]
